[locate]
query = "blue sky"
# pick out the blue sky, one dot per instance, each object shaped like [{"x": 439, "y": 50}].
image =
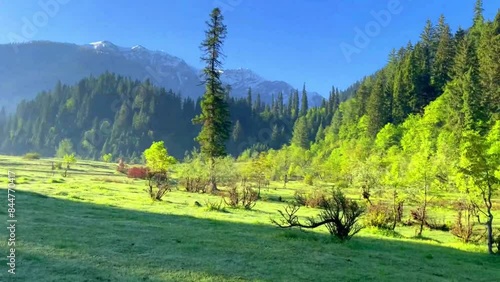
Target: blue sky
[{"x": 297, "y": 41}]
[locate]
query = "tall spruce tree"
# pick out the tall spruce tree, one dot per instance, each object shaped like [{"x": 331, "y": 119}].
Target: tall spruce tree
[
  {"x": 443, "y": 62},
  {"x": 214, "y": 117},
  {"x": 304, "y": 105}
]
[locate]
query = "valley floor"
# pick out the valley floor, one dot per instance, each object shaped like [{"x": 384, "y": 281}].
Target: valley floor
[{"x": 97, "y": 225}]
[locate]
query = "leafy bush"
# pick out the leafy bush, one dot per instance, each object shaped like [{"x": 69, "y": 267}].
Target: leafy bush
[
  {"x": 380, "y": 216},
  {"x": 31, "y": 156},
  {"x": 496, "y": 241},
  {"x": 300, "y": 198},
  {"x": 107, "y": 158},
  {"x": 58, "y": 165},
  {"x": 138, "y": 172},
  {"x": 309, "y": 179},
  {"x": 316, "y": 199}
]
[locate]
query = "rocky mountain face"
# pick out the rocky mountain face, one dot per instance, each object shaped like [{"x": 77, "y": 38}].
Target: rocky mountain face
[{"x": 29, "y": 68}]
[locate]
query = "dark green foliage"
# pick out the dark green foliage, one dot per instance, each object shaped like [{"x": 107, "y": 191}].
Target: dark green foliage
[
  {"x": 214, "y": 117},
  {"x": 102, "y": 124}
]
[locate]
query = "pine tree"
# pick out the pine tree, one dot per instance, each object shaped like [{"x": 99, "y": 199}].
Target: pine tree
[
  {"x": 443, "y": 63},
  {"x": 215, "y": 113},
  {"x": 320, "y": 135},
  {"x": 489, "y": 66},
  {"x": 300, "y": 133},
  {"x": 279, "y": 104},
  {"x": 295, "y": 104},
  {"x": 258, "y": 103},
  {"x": 379, "y": 105},
  {"x": 303, "y": 103},
  {"x": 237, "y": 131},
  {"x": 249, "y": 97}
]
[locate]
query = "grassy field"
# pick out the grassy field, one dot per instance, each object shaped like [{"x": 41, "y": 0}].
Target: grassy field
[{"x": 97, "y": 225}]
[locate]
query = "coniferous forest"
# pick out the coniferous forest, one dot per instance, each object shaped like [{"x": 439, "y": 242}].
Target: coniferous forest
[{"x": 117, "y": 115}]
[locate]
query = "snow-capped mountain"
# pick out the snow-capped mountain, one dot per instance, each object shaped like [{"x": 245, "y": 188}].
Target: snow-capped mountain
[{"x": 29, "y": 68}]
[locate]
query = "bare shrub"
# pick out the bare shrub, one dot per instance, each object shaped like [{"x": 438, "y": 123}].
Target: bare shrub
[
  {"x": 121, "y": 166},
  {"x": 215, "y": 206},
  {"x": 340, "y": 216},
  {"x": 245, "y": 197},
  {"x": 195, "y": 184},
  {"x": 158, "y": 185},
  {"x": 463, "y": 227}
]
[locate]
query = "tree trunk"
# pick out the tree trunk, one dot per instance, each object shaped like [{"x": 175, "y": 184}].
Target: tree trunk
[
  {"x": 489, "y": 229},
  {"x": 395, "y": 210},
  {"x": 424, "y": 215},
  {"x": 213, "y": 181}
]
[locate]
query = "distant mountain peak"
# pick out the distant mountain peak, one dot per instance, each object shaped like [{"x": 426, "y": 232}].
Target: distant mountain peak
[
  {"x": 105, "y": 46},
  {"x": 139, "y": 48}
]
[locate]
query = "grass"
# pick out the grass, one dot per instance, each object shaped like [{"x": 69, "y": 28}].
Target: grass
[{"x": 104, "y": 228}]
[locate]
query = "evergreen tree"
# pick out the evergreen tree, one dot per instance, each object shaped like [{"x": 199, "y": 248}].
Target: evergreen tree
[
  {"x": 295, "y": 104},
  {"x": 303, "y": 103},
  {"x": 443, "y": 63},
  {"x": 237, "y": 131},
  {"x": 379, "y": 105},
  {"x": 300, "y": 133},
  {"x": 249, "y": 97},
  {"x": 215, "y": 113},
  {"x": 279, "y": 104},
  {"x": 320, "y": 135},
  {"x": 258, "y": 103}
]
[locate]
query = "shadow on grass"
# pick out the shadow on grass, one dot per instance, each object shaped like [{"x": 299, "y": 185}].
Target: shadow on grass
[{"x": 63, "y": 240}]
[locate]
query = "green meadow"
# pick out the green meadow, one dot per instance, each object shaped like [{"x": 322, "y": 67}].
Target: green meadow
[{"x": 98, "y": 225}]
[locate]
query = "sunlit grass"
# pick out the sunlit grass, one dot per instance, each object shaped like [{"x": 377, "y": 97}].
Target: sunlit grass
[{"x": 99, "y": 225}]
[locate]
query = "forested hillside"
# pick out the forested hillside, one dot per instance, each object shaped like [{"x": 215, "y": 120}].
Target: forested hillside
[
  {"x": 117, "y": 115},
  {"x": 427, "y": 123}
]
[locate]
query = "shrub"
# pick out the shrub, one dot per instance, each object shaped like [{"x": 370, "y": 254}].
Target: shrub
[
  {"x": 107, "y": 158},
  {"x": 215, "y": 206},
  {"x": 308, "y": 179},
  {"x": 441, "y": 225},
  {"x": 317, "y": 199},
  {"x": 121, "y": 166},
  {"x": 158, "y": 185},
  {"x": 380, "y": 216},
  {"x": 58, "y": 165},
  {"x": 300, "y": 198},
  {"x": 138, "y": 172},
  {"x": 245, "y": 197},
  {"x": 31, "y": 156},
  {"x": 340, "y": 216},
  {"x": 496, "y": 241},
  {"x": 463, "y": 227},
  {"x": 195, "y": 184}
]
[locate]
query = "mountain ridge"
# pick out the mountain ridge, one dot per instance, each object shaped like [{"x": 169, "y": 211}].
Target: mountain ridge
[{"x": 35, "y": 66}]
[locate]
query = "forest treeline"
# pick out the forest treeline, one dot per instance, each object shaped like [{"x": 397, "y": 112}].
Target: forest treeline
[{"x": 111, "y": 114}]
